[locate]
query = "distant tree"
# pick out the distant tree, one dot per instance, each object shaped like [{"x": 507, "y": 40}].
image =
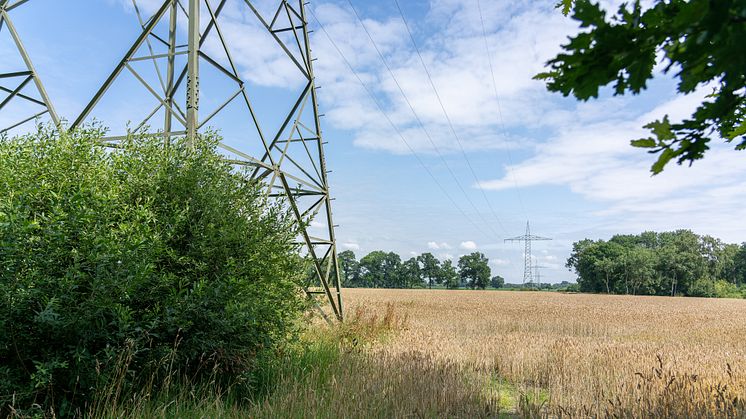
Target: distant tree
[
  {"x": 411, "y": 273},
  {"x": 739, "y": 264},
  {"x": 449, "y": 275},
  {"x": 725, "y": 267},
  {"x": 577, "y": 262},
  {"x": 609, "y": 262},
  {"x": 497, "y": 281},
  {"x": 639, "y": 271},
  {"x": 373, "y": 269},
  {"x": 690, "y": 264},
  {"x": 349, "y": 269},
  {"x": 701, "y": 40},
  {"x": 381, "y": 270},
  {"x": 474, "y": 270},
  {"x": 430, "y": 267},
  {"x": 597, "y": 264},
  {"x": 668, "y": 263},
  {"x": 392, "y": 271}
]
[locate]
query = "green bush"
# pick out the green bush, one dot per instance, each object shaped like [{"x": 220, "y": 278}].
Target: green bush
[
  {"x": 113, "y": 261},
  {"x": 725, "y": 289},
  {"x": 703, "y": 287}
]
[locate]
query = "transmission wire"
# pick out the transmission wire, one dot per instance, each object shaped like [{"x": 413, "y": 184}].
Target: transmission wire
[
  {"x": 393, "y": 126},
  {"x": 499, "y": 109},
  {"x": 417, "y": 118},
  {"x": 445, "y": 113}
]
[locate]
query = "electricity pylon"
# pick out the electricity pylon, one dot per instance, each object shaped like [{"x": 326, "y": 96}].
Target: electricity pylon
[
  {"x": 12, "y": 83},
  {"x": 538, "y": 274},
  {"x": 527, "y": 260},
  {"x": 173, "y": 72}
]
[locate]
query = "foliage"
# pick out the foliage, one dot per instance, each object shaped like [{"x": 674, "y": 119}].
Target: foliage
[
  {"x": 411, "y": 273},
  {"x": 379, "y": 269},
  {"x": 702, "y": 288},
  {"x": 651, "y": 263},
  {"x": 450, "y": 277},
  {"x": 141, "y": 254},
  {"x": 700, "y": 40},
  {"x": 725, "y": 289},
  {"x": 430, "y": 268},
  {"x": 474, "y": 270},
  {"x": 497, "y": 281},
  {"x": 349, "y": 267}
]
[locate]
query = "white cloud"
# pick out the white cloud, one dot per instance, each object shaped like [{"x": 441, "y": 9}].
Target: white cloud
[
  {"x": 456, "y": 60},
  {"x": 499, "y": 262},
  {"x": 436, "y": 246},
  {"x": 468, "y": 245},
  {"x": 595, "y": 161}
]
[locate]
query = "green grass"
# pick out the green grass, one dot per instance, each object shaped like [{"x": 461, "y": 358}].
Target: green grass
[
  {"x": 308, "y": 364},
  {"x": 336, "y": 372},
  {"x": 513, "y": 399}
]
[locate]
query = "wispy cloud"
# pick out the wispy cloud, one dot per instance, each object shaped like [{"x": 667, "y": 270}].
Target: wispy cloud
[
  {"x": 468, "y": 245},
  {"x": 436, "y": 246}
]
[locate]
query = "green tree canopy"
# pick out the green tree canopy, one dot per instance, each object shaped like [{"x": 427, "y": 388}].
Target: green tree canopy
[
  {"x": 381, "y": 270},
  {"x": 349, "y": 268},
  {"x": 449, "y": 275},
  {"x": 474, "y": 270},
  {"x": 497, "y": 281},
  {"x": 667, "y": 263},
  {"x": 411, "y": 273},
  {"x": 702, "y": 41},
  {"x": 430, "y": 268}
]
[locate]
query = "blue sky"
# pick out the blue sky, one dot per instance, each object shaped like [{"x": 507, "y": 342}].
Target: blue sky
[{"x": 566, "y": 166}]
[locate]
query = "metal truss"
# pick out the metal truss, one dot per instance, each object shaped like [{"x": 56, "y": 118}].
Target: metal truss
[
  {"x": 538, "y": 274},
  {"x": 167, "y": 69},
  {"x": 12, "y": 83},
  {"x": 528, "y": 277}
]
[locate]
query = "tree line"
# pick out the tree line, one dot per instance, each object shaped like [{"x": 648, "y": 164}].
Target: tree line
[
  {"x": 668, "y": 263},
  {"x": 379, "y": 269}
]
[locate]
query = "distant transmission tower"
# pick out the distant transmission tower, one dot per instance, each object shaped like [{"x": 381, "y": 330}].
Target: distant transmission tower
[
  {"x": 16, "y": 77},
  {"x": 181, "y": 62},
  {"x": 528, "y": 277},
  {"x": 538, "y": 275}
]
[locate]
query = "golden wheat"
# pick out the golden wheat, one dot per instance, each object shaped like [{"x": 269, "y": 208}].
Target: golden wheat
[{"x": 573, "y": 355}]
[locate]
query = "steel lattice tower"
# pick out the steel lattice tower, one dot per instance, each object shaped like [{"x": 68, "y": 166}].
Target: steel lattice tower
[
  {"x": 174, "y": 74},
  {"x": 527, "y": 238},
  {"x": 31, "y": 107},
  {"x": 538, "y": 274}
]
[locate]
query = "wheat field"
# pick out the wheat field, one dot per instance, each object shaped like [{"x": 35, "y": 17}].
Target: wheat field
[{"x": 489, "y": 353}]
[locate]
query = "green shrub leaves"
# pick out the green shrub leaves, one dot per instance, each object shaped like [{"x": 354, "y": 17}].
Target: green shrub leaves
[{"x": 112, "y": 261}]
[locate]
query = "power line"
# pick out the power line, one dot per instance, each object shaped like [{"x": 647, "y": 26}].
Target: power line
[
  {"x": 448, "y": 118},
  {"x": 419, "y": 121},
  {"x": 499, "y": 108},
  {"x": 391, "y": 123}
]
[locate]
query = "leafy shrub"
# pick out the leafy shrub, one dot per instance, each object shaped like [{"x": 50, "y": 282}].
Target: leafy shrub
[
  {"x": 113, "y": 261},
  {"x": 703, "y": 287},
  {"x": 725, "y": 289}
]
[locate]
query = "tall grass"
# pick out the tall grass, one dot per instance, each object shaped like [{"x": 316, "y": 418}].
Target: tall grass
[
  {"x": 480, "y": 354},
  {"x": 309, "y": 371}
]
